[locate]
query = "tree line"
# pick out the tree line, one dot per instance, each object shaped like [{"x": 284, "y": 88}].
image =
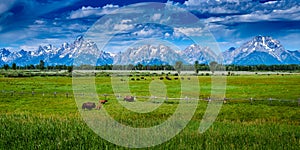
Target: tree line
[{"x": 178, "y": 67}]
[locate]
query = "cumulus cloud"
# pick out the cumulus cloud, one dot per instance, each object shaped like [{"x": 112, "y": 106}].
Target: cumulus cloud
[
  {"x": 167, "y": 35},
  {"x": 126, "y": 21},
  {"x": 92, "y": 11},
  {"x": 109, "y": 6},
  {"x": 123, "y": 26},
  {"x": 188, "y": 31},
  {"x": 39, "y": 22},
  {"x": 85, "y": 12},
  {"x": 229, "y": 20},
  {"x": 291, "y": 14},
  {"x": 193, "y": 2},
  {"x": 144, "y": 33},
  {"x": 156, "y": 17}
]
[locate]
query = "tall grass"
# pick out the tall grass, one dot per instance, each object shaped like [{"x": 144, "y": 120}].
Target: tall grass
[
  {"x": 46, "y": 122},
  {"x": 32, "y": 132}
]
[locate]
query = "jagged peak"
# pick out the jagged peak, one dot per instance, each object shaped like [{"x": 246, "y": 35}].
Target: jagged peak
[
  {"x": 4, "y": 50},
  {"x": 79, "y": 38},
  {"x": 266, "y": 41}
]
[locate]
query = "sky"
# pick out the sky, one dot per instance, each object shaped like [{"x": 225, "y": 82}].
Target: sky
[{"x": 27, "y": 24}]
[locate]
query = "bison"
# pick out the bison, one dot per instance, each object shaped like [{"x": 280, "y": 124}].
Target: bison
[
  {"x": 102, "y": 101},
  {"x": 88, "y": 105},
  {"x": 129, "y": 98},
  {"x": 168, "y": 78}
]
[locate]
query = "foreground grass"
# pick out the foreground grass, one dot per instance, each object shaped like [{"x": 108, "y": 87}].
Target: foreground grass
[
  {"x": 47, "y": 122},
  {"x": 33, "y": 132}
]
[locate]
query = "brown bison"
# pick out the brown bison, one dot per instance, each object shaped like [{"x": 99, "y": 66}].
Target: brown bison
[
  {"x": 102, "y": 101},
  {"x": 88, "y": 105},
  {"x": 129, "y": 98},
  {"x": 168, "y": 78}
]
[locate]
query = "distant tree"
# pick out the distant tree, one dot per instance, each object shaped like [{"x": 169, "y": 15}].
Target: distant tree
[
  {"x": 14, "y": 66},
  {"x": 130, "y": 67},
  {"x": 139, "y": 67},
  {"x": 6, "y": 66},
  {"x": 42, "y": 65},
  {"x": 213, "y": 65},
  {"x": 178, "y": 66},
  {"x": 31, "y": 66},
  {"x": 196, "y": 66},
  {"x": 70, "y": 69}
]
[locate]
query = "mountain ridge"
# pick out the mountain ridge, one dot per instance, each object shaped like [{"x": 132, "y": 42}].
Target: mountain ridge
[
  {"x": 259, "y": 50},
  {"x": 273, "y": 52}
]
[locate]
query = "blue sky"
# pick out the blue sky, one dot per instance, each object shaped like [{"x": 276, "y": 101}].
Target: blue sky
[{"x": 26, "y": 24}]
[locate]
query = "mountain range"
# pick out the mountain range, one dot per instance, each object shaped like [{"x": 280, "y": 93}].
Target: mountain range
[{"x": 259, "y": 50}]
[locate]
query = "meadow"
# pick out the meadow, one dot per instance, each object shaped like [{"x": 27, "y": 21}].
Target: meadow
[{"x": 41, "y": 113}]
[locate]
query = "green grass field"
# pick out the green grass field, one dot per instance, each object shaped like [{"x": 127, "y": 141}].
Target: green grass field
[{"x": 41, "y": 120}]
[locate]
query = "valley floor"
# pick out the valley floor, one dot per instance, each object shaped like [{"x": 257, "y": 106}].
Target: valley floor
[{"x": 43, "y": 113}]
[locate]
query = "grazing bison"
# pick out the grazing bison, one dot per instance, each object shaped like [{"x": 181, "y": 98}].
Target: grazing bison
[
  {"x": 88, "y": 105},
  {"x": 129, "y": 98},
  {"x": 102, "y": 101}
]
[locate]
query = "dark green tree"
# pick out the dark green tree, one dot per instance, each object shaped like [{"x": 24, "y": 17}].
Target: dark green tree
[
  {"x": 42, "y": 65},
  {"x": 70, "y": 69},
  {"x": 6, "y": 66},
  {"x": 196, "y": 66},
  {"x": 14, "y": 66},
  {"x": 31, "y": 66}
]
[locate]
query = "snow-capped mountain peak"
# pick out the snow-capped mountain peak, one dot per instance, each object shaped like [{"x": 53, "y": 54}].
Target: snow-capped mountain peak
[
  {"x": 259, "y": 50},
  {"x": 148, "y": 55}
]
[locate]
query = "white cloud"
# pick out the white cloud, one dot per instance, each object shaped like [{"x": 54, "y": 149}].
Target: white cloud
[
  {"x": 85, "y": 12},
  {"x": 204, "y": 2},
  {"x": 144, "y": 32},
  {"x": 193, "y": 2},
  {"x": 76, "y": 26},
  {"x": 92, "y": 11},
  {"x": 292, "y": 14},
  {"x": 156, "y": 17},
  {"x": 126, "y": 21},
  {"x": 39, "y": 22},
  {"x": 167, "y": 34},
  {"x": 270, "y": 2},
  {"x": 123, "y": 27},
  {"x": 220, "y": 10},
  {"x": 109, "y": 6},
  {"x": 188, "y": 31},
  {"x": 292, "y": 10}
]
